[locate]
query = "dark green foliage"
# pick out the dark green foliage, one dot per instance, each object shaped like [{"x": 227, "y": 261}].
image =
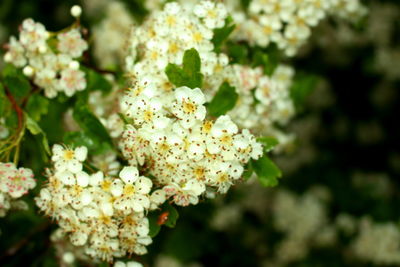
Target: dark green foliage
[
  {"x": 189, "y": 75},
  {"x": 224, "y": 100}
]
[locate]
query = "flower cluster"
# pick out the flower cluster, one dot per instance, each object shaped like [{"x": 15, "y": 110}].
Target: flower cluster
[
  {"x": 303, "y": 220},
  {"x": 114, "y": 28},
  {"x": 104, "y": 214},
  {"x": 185, "y": 152},
  {"x": 263, "y": 100},
  {"x": 14, "y": 183},
  {"x": 49, "y": 58},
  {"x": 166, "y": 35},
  {"x": 288, "y": 23},
  {"x": 378, "y": 243}
]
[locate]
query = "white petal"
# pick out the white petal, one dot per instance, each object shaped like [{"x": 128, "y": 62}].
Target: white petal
[
  {"x": 116, "y": 188},
  {"x": 107, "y": 208},
  {"x": 66, "y": 177},
  {"x": 158, "y": 196},
  {"x": 82, "y": 179},
  {"x": 129, "y": 174},
  {"x": 81, "y": 153},
  {"x": 57, "y": 149},
  {"x": 78, "y": 238},
  {"x": 96, "y": 178},
  {"x": 143, "y": 185},
  {"x": 86, "y": 197},
  {"x": 74, "y": 166}
]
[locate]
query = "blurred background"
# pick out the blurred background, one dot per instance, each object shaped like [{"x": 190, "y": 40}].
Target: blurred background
[{"x": 338, "y": 201}]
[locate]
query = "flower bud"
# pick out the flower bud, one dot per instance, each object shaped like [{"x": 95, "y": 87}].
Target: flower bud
[
  {"x": 28, "y": 71},
  {"x": 76, "y": 11},
  {"x": 74, "y": 65}
]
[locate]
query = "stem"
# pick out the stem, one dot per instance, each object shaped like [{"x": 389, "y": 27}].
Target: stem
[{"x": 14, "y": 104}]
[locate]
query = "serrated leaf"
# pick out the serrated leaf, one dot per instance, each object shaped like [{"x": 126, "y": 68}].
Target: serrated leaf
[
  {"x": 16, "y": 82},
  {"x": 224, "y": 100},
  {"x": 37, "y": 106},
  {"x": 222, "y": 34},
  {"x": 35, "y": 129},
  {"x": 266, "y": 170},
  {"x": 189, "y": 75},
  {"x": 268, "y": 143},
  {"x": 302, "y": 87}
]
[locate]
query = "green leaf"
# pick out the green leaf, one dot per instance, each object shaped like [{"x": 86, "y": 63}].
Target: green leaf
[
  {"x": 16, "y": 82},
  {"x": 191, "y": 62},
  {"x": 37, "y": 106},
  {"x": 245, "y": 4},
  {"x": 266, "y": 170},
  {"x": 268, "y": 142},
  {"x": 97, "y": 81},
  {"x": 175, "y": 75},
  {"x": 90, "y": 124},
  {"x": 93, "y": 143},
  {"x": 248, "y": 171},
  {"x": 238, "y": 53},
  {"x": 189, "y": 75},
  {"x": 173, "y": 215},
  {"x": 35, "y": 129},
  {"x": 222, "y": 34},
  {"x": 224, "y": 100},
  {"x": 267, "y": 59},
  {"x": 303, "y": 85},
  {"x": 153, "y": 224}
]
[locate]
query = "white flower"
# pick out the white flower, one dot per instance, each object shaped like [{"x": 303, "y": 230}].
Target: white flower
[
  {"x": 188, "y": 106},
  {"x": 15, "y": 53},
  {"x": 67, "y": 159},
  {"x": 46, "y": 79},
  {"x": 72, "y": 81},
  {"x": 185, "y": 194},
  {"x": 213, "y": 14},
  {"x": 71, "y": 43},
  {"x": 33, "y": 35},
  {"x": 132, "y": 193},
  {"x": 15, "y": 182}
]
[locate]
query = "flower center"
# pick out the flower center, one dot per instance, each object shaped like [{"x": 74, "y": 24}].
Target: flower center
[
  {"x": 69, "y": 154},
  {"x": 189, "y": 107},
  {"x": 129, "y": 190}
]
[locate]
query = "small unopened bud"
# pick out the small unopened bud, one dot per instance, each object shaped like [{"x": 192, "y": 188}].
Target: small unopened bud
[
  {"x": 28, "y": 71},
  {"x": 42, "y": 49},
  {"x": 76, "y": 11},
  {"x": 8, "y": 57},
  {"x": 74, "y": 65},
  {"x": 68, "y": 258}
]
